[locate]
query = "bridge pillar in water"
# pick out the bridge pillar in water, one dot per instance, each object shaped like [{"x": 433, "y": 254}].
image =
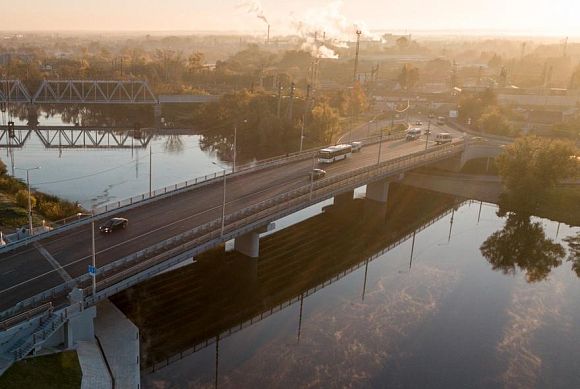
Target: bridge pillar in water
[
  {"x": 80, "y": 326},
  {"x": 379, "y": 190},
  {"x": 249, "y": 243}
]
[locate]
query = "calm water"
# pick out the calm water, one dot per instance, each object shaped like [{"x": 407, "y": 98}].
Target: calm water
[
  {"x": 429, "y": 291},
  {"x": 95, "y": 177}
]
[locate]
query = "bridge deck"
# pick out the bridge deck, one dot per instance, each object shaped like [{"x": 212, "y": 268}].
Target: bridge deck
[{"x": 164, "y": 219}]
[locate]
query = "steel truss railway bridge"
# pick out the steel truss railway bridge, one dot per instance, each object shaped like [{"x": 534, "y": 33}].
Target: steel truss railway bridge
[
  {"x": 92, "y": 92},
  {"x": 47, "y": 297}
]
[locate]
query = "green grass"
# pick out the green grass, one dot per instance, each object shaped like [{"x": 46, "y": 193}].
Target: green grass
[{"x": 58, "y": 371}]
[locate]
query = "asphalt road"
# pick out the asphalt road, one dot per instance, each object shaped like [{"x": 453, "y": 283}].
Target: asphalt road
[{"x": 27, "y": 270}]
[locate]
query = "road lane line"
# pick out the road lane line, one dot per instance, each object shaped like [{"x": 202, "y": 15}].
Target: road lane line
[{"x": 65, "y": 276}]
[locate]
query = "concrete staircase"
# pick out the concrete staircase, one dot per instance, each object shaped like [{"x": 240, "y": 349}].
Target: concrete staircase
[{"x": 26, "y": 340}]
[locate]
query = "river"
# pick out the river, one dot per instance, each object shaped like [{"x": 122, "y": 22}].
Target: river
[
  {"x": 94, "y": 177},
  {"x": 429, "y": 291}
]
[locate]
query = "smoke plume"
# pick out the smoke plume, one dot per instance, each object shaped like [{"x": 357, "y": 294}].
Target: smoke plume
[{"x": 254, "y": 7}]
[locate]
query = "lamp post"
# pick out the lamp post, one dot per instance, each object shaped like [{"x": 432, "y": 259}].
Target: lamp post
[
  {"x": 380, "y": 147},
  {"x": 312, "y": 175},
  {"x": 224, "y": 200},
  {"x": 31, "y": 232},
  {"x": 302, "y": 133},
  {"x": 428, "y": 132},
  {"x": 94, "y": 255},
  {"x": 236, "y": 145}
]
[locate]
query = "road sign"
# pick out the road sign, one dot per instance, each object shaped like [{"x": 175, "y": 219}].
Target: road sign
[{"x": 92, "y": 270}]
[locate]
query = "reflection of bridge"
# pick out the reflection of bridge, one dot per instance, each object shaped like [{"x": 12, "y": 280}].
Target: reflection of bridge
[
  {"x": 92, "y": 92},
  {"x": 171, "y": 225},
  {"x": 223, "y": 299},
  {"x": 75, "y": 137}
]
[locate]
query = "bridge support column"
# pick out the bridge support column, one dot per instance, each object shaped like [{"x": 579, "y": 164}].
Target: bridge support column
[
  {"x": 249, "y": 243},
  {"x": 80, "y": 327},
  {"x": 378, "y": 191}
]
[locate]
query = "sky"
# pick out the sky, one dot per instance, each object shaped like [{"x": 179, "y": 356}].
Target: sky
[{"x": 522, "y": 17}]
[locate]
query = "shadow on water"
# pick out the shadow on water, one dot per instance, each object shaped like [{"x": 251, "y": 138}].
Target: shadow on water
[
  {"x": 522, "y": 244},
  {"x": 225, "y": 291}
]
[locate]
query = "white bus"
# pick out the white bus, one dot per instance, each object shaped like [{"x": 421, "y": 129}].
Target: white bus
[
  {"x": 443, "y": 137},
  {"x": 334, "y": 153}
]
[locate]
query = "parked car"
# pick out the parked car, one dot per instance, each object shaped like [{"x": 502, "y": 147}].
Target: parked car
[
  {"x": 418, "y": 123},
  {"x": 116, "y": 223},
  {"x": 318, "y": 174}
]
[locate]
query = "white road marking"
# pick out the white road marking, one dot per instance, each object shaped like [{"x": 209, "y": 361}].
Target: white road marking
[{"x": 53, "y": 262}]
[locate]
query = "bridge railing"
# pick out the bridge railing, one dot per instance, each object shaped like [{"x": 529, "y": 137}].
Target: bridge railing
[{"x": 247, "y": 218}]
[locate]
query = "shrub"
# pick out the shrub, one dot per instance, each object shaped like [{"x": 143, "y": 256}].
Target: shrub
[{"x": 22, "y": 199}]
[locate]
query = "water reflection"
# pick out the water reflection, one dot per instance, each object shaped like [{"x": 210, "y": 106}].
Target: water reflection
[
  {"x": 574, "y": 247},
  {"x": 224, "y": 292},
  {"x": 523, "y": 244},
  {"x": 173, "y": 144}
]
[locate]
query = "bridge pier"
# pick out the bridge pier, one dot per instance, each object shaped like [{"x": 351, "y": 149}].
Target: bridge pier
[
  {"x": 378, "y": 191},
  {"x": 249, "y": 243},
  {"x": 79, "y": 327}
]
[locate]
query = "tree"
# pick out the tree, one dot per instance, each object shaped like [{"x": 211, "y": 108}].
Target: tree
[
  {"x": 408, "y": 77},
  {"x": 195, "y": 62},
  {"x": 325, "y": 122},
  {"x": 522, "y": 244},
  {"x": 494, "y": 121},
  {"x": 530, "y": 166},
  {"x": 574, "y": 257}
]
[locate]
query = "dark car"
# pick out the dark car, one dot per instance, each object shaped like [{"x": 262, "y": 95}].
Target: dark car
[
  {"x": 113, "y": 224},
  {"x": 318, "y": 174}
]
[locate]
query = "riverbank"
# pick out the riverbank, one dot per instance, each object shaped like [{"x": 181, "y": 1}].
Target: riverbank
[
  {"x": 58, "y": 371},
  {"x": 14, "y": 204}
]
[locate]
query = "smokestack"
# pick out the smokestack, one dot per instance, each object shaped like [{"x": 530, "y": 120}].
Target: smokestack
[{"x": 268, "y": 37}]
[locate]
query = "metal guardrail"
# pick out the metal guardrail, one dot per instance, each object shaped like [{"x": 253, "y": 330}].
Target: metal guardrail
[
  {"x": 257, "y": 213},
  {"x": 34, "y": 312}
]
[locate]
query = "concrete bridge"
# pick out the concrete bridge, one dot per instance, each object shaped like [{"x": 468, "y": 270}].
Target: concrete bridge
[
  {"x": 44, "y": 283},
  {"x": 228, "y": 293}
]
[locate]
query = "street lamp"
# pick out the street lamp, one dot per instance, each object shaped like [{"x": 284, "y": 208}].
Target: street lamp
[
  {"x": 236, "y": 144},
  {"x": 224, "y": 199},
  {"x": 428, "y": 131},
  {"x": 31, "y": 232}
]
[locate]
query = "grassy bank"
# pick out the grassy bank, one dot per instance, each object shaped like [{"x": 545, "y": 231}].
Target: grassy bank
[
  {"x": 14, "y": 204},
  {"x": 58, "y": 371}
]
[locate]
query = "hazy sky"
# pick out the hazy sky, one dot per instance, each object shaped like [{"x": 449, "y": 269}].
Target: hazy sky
[{"x": 555, "y": 17}]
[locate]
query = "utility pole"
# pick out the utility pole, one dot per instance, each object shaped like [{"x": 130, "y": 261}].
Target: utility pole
[
  {"x": 279, "y": 98},
  {"x": 150, "y": 169},
  {"x": 94, "y": 255},
  {"x": 358, "y": 33},
  {"x": 30, "y": 229},
  {"x": 291, "y": 103}
]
